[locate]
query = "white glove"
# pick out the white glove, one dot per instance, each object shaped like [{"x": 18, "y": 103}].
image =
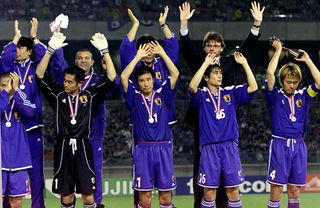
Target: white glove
[
  {"x": 100, "y": 42},
  {"x": 56, "y": 41}
]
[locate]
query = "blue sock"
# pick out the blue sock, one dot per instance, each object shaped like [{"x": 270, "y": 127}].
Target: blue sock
[
  {"x": 207, "y": 204},
  {"x": 273, "y": 204},
  {"x": 234, "y": 204}
]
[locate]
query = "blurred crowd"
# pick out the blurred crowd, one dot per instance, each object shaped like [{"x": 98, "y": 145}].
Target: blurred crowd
[{"x": 116, "y": 10}]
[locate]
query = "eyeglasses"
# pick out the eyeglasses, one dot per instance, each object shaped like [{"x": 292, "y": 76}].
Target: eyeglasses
[{"x": 213, "y": 46}]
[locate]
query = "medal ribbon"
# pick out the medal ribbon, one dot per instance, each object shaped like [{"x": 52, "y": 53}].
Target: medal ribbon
[
  {"x": 10, "y": 114},
  {"x": 149, "y": 110},
  {"x": 216, "y": 107},
  {"x": 291, "y": 105},
  {"x": 25, "y": 75},
  {"x": 87, "y": 81},
  {"x": 73, "y": 110}
]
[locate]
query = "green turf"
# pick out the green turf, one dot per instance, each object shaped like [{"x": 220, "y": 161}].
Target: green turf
[{"x": 309, "y": 200}]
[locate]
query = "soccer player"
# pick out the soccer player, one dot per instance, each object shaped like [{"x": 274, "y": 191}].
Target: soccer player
[
  {"x": 73, "y": 159},
  {"x": 289, "y": 115},
  {"x": 128, "y": 50},
  {"x": 212, "y": 43},
  {"x": 84, "y": 60},
  {"x": 149, "y": 111},
  {"x": 16, "y": 57},
  {"x": 219, "y": 128},
  {"x": 16, "y": 156}
]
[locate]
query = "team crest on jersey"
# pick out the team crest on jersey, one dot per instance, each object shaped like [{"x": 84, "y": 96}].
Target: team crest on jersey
[
  {"x": 93, "y": 180},
  {"x": 83, "y": 99},
  {"x": 30, "y": 78},
  {"x": 158, "y": 75},
  {"x": 240, "y": 173},
  {"x": 158, "y": 101},
  {"x": 227, "y": 98},
  {"x": 16, "y": 116},
  {"x": 299, "y": 103}
]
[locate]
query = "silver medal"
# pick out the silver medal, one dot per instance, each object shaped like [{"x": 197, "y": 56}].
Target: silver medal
[
  {"x": 151, "y": 120},
  {"x": 8, "y": 124},
  {"x": 293, "y": 118},
  {"x": 73, "y": 121},
  {"x": 218, "y": 116},
  {"x": 22, "y": 86}
]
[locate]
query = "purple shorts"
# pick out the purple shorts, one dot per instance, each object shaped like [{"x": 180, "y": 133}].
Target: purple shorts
[
  {"x": 15, "y": 183},
  {"x": 216, "y": 159},
  {"x": 287, "y": 162},
  {"x": 153, "y": 167}
]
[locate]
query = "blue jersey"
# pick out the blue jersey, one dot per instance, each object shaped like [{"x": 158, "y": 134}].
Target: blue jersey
[
  {"x": 150, "y": 116},
  {"x": 214, "y": 128},
  {"x": 15, "y": 144},
  {"x": 27, "y": 73},
  {"x": 281, "y": 107}
]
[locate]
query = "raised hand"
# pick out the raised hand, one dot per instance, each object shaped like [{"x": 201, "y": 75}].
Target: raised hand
[
  {"x": 156, "y": 48},
  {"x": 163, "y": 16},
  {"x": 15, "y": 80},
  {"x": 143, "y": 51},
  {"x": 34, "y": 27},
  {"x": 56, "y": 41},
  {"x": 257, "y": 12},
  {"x": 133, "y": 18},
  {"x": 17, "y": 31},
  {"x": 185, "y": 13},
  {"x": 239, "y": 58},
  {"x": 100, "y": 42},
  {"x": 277, "y": 45},
  {"x": 54, "y": 28},
  {"x": 210, "y": 59},
  {"x": 304, "y": 57}
]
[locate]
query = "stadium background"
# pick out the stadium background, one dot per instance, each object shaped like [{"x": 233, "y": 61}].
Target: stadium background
[{"x": 295, "y": 22}]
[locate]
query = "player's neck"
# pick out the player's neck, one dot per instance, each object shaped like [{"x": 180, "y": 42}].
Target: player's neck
[
  {"x": 148, "y": 94},
  {"x": 213, "y": 88},
  {"x": 75, "y": 93}
]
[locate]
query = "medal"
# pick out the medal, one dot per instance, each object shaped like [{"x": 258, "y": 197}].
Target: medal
[
  {"x": 292, "y": 109},
  {"x": 73, "y": 121},
  {"x": 8, "y": 124},
  {"x": 22, "y": 85},
  {"x": 149, "y": 110},
  {"x": 8, "y": 118},
  {"x": 151, "y": 120},
  {"x": 293, "y": 118},
  {"x": 216, "y": 106},
  {"x": 73, "y": 109}
]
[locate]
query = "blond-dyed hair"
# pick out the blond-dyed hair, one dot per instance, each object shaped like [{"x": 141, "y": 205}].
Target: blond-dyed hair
[{"x": 289, "y": 69}]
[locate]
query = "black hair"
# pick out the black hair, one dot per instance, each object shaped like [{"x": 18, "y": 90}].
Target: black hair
[
  {"x": 143, "y": 69},
  {"x": 77, "y": 71},
  {"x": 25, "y": 42},
  {"x": 144, "y": 39},
  {"x": 210, "y": 68}
]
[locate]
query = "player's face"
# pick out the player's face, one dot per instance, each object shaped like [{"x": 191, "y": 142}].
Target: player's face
[
  {"x": 23, "y": 53},
  {"x": 145, "y": 83},
  {"x": 70, "y": 84},
  {"x": 84, "y": 60},
  {"x": 215, "y": 78},
  {"x": 4, "y": 83},
  {"x": 290, "y": 84},
  {"x": 214, "y": 47}
]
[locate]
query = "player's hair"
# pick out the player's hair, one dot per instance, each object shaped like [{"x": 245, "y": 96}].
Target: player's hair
[
  {"x": 5, "y": 74},
  {"x": 143, "y": 69},
  {"x": 25, "y": 42},
  {"x": 84, "y": 50},
  {"x": 76, "y": 71},
  {"x": 289, "y": 69},
  {"x": 144, "y": 39},
  {"x": 215, "y": 37},
  {"x": 210, "y": 68}
]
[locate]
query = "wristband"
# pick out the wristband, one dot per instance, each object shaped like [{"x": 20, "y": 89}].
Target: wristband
[
  {"x": 50, "y": 50},
  {"x": 35, "y": 37},
  {"x": 104, "y": 51},
  {"x": 256, "y": 26},
  {"x": 163, "y": 25}
]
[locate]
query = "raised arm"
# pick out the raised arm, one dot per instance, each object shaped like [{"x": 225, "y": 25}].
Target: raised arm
[
  {"x": 56, "y": 41},
  {"x": 313, "y": 69},
  {"x": 185, "y": 15},
  {"x": 257, "y": 14},
  {"x": 196, "y": 79},
  {"x": 163, "y": 23},
  {"x": 156, "y": 49},
  {"x": 252, "y": 83},
  {"x": 100, "y": 42},
  {"x": 124, "y": 77},
  {"x": 273, "y": 64},
  {"x": 135, "y": 25},
  {"x": 34, "y": 30}
]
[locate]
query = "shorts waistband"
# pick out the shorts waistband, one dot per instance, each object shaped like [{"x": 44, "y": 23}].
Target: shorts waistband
[
  {"x": 155, "y": 142},
  {"x": 279, "y": 137}
]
